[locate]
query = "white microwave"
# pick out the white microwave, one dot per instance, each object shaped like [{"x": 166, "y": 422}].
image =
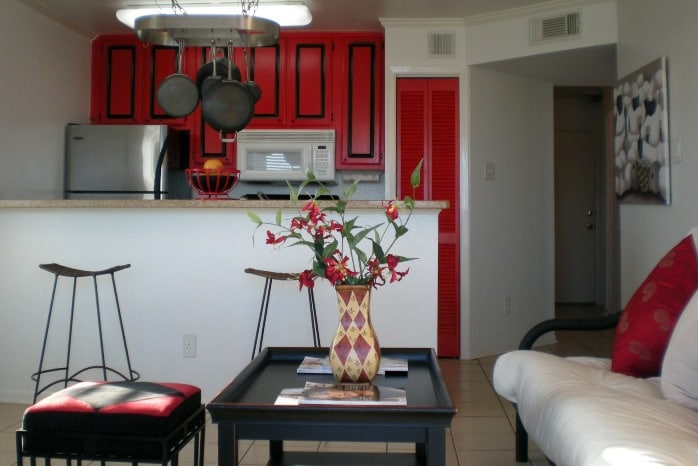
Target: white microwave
[{"x": 285, "y": 154}]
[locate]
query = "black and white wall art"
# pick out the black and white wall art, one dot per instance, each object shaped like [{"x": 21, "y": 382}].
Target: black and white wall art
[{"x": 642, "y": 159}]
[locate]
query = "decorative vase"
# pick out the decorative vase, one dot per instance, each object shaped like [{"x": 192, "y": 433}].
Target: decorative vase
[{"x": 355, "y": 353}]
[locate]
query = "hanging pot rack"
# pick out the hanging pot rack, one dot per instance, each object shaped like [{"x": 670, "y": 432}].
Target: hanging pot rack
[{"x": 204, "y": 30}]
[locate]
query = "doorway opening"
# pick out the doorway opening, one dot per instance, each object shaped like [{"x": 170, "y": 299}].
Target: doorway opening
[{"x": 586, "y": 211}]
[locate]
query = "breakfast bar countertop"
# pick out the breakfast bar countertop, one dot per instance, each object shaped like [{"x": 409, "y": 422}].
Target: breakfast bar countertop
[{"x": 193, "y": 203}]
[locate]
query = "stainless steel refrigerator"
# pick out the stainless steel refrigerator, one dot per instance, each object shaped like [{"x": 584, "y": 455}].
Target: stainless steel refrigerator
[{"x": 116, "y": 162}]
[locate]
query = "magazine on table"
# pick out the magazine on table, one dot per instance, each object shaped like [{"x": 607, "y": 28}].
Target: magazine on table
[
  {"x": 344, "y": 394},
  {"x": 314, "y": 365}
]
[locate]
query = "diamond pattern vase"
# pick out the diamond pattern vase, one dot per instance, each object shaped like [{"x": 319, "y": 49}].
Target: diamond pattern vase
[{"x": 355, "y": 353}]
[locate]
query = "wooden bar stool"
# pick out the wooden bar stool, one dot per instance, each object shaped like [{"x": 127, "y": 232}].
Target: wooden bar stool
[
  {"x": 66, "y": 376},
  {"x": 264, "y": 308}
]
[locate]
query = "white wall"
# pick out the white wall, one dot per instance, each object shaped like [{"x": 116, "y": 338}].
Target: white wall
[
  {"x": 511, "y": 219},
  {"x": 502, "y": 36},
  {"x": 45, "y": 84},
  {"x": 187, "y": 276},
  {"x": 507, "y": 229},
  {"x": 648, "y": 29}
]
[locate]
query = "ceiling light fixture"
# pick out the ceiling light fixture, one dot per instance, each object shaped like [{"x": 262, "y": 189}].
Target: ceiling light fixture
[{"x": 283, "y": 13}]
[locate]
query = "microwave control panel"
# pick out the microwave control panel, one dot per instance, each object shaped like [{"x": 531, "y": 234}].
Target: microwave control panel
[{"x": 323, "y": 160}]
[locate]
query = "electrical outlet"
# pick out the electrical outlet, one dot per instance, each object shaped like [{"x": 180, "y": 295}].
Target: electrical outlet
[
  {"x": 489, "y": 171},
  {"x": 507, "y": 305},
  {"x": 189, "y": 345}
]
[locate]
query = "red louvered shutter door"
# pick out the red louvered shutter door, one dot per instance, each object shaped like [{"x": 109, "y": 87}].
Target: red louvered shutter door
[{"x": 427, "y": 126}]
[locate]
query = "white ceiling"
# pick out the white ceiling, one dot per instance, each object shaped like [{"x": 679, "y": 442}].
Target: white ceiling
[{"x": 94, "y": 17}]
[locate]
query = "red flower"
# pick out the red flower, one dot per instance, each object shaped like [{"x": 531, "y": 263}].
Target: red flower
[
  {"x": 335, "y": 226},
  {"x": 392, "y": 261},
  {"x": 337, "y": 271},
  {"x": 298, "y": 223},
  {"x": 273, "y": 239},
  {"x": 315, "y": 215},
  {"x": 306, "y": 278},
  {"x": 391, "y": 211}
]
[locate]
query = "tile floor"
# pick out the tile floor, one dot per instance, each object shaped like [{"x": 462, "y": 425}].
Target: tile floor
[{"x": 481, "y": 434}]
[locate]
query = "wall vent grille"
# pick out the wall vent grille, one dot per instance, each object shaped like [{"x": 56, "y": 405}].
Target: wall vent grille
[
  {"x": 555, "y": 27},
  {"x": 442, "y": 44}
]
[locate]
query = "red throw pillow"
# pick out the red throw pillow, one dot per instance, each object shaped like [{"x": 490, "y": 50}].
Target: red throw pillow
[{"x": 648, "y": 320}]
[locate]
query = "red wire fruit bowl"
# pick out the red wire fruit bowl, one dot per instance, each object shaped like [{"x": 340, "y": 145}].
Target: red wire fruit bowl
[{"x": 212, "y": 183}]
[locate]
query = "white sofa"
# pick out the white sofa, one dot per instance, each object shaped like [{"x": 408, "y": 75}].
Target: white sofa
[{"x": 580, "y": 412}]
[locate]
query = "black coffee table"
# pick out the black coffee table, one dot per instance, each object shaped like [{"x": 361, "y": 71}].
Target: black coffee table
[{"x": 245, "y": 410}]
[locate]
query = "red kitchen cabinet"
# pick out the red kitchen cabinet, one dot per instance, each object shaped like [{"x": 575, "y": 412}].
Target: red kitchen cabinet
[
  {"x": 428, "y": 127},
  {"x": 359, "y": 74},
  {"x": 296, "y": 82},
  {"x": 265, "y": 68},
  {"x": 117, "y": 74},
  {"x": 308, "y": 80},
  {"x": 125, "y": 76}
]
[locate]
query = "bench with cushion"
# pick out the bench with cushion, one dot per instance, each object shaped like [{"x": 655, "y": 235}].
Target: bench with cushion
[{"x": 125, "y": 421}]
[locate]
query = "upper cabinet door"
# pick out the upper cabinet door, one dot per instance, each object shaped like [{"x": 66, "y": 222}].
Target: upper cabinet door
[
  {"x": 295, "y": 79},
  {"x": 360, "y": 76},
  {"x": 265, "y": 67},
  {"x": 117, "y": 67},
  {"x": 309, "y": 102}
]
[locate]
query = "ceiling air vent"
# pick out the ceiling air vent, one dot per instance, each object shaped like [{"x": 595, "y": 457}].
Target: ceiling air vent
[
  {"x": 442, "y": 44},
  {"x": 555, "y": 27}
]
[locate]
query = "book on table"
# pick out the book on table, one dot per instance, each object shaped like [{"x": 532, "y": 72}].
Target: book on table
[
  {"x": 345, "y": 394},
  {"x": 314, "y": 365}
]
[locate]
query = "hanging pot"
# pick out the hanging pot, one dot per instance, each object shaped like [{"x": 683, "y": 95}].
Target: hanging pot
[
  {"x": 227, "y": 105},
  {"x": 255, "y": 90},
  {"x": 206, "y": 78},
  {"x": 177, "y": 94},
  {"x": 207, "y": 70}
]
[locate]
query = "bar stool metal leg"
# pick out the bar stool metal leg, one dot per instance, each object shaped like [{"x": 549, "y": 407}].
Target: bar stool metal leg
[
  {"x": 264, "y": 307},
  {"x": 262, "y": 319},
  {"x": 313, "y": 318},
  {"x": 60, "y": 270},
  {"x": 121, "y": 325}
]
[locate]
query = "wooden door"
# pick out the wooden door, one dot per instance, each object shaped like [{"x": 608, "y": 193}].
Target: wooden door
[{"x": 428, "y": 126}]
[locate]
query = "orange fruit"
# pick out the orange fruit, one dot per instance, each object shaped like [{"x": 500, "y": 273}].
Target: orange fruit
[{"x": 213, "y": 165}]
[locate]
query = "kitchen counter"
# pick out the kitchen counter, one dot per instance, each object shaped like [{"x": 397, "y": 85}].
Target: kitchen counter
[
  {"x": 193, "y": 203},
  {"x": 187, "y": 277}
]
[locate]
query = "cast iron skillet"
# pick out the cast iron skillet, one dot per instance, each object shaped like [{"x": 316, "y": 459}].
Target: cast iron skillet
[
  {"x": 227, "y": 105},
  {"x": 177, "y": 94}
]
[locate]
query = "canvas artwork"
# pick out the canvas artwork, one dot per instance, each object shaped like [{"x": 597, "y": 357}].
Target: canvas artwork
[{"x": 642, "y": 136}]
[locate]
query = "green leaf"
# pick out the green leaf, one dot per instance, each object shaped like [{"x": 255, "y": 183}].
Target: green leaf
[
  {"x": 254, "y": 217},
  {"x": 416, "y": 178},
  {"x": 400, "y": 230},
  {"x": 409, "y": 202},
  {"x": 349, "y": 225},
  {"x": 361, "y": 255},
  {"x": 278, "y": 216},
  {"x": 362, "y": 234},
  {"x": 378, "y": 252},
  {"x": 293, "y": 194},
  {"x": 329, "y": 249},
  {"x": 351, "y": 189}
]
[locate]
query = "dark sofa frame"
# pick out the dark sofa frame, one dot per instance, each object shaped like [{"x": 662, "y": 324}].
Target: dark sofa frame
[{"x": 530, "y": 338}]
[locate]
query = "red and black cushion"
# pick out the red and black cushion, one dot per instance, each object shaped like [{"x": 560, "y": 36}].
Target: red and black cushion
[{"x": 111, "y": 419}]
